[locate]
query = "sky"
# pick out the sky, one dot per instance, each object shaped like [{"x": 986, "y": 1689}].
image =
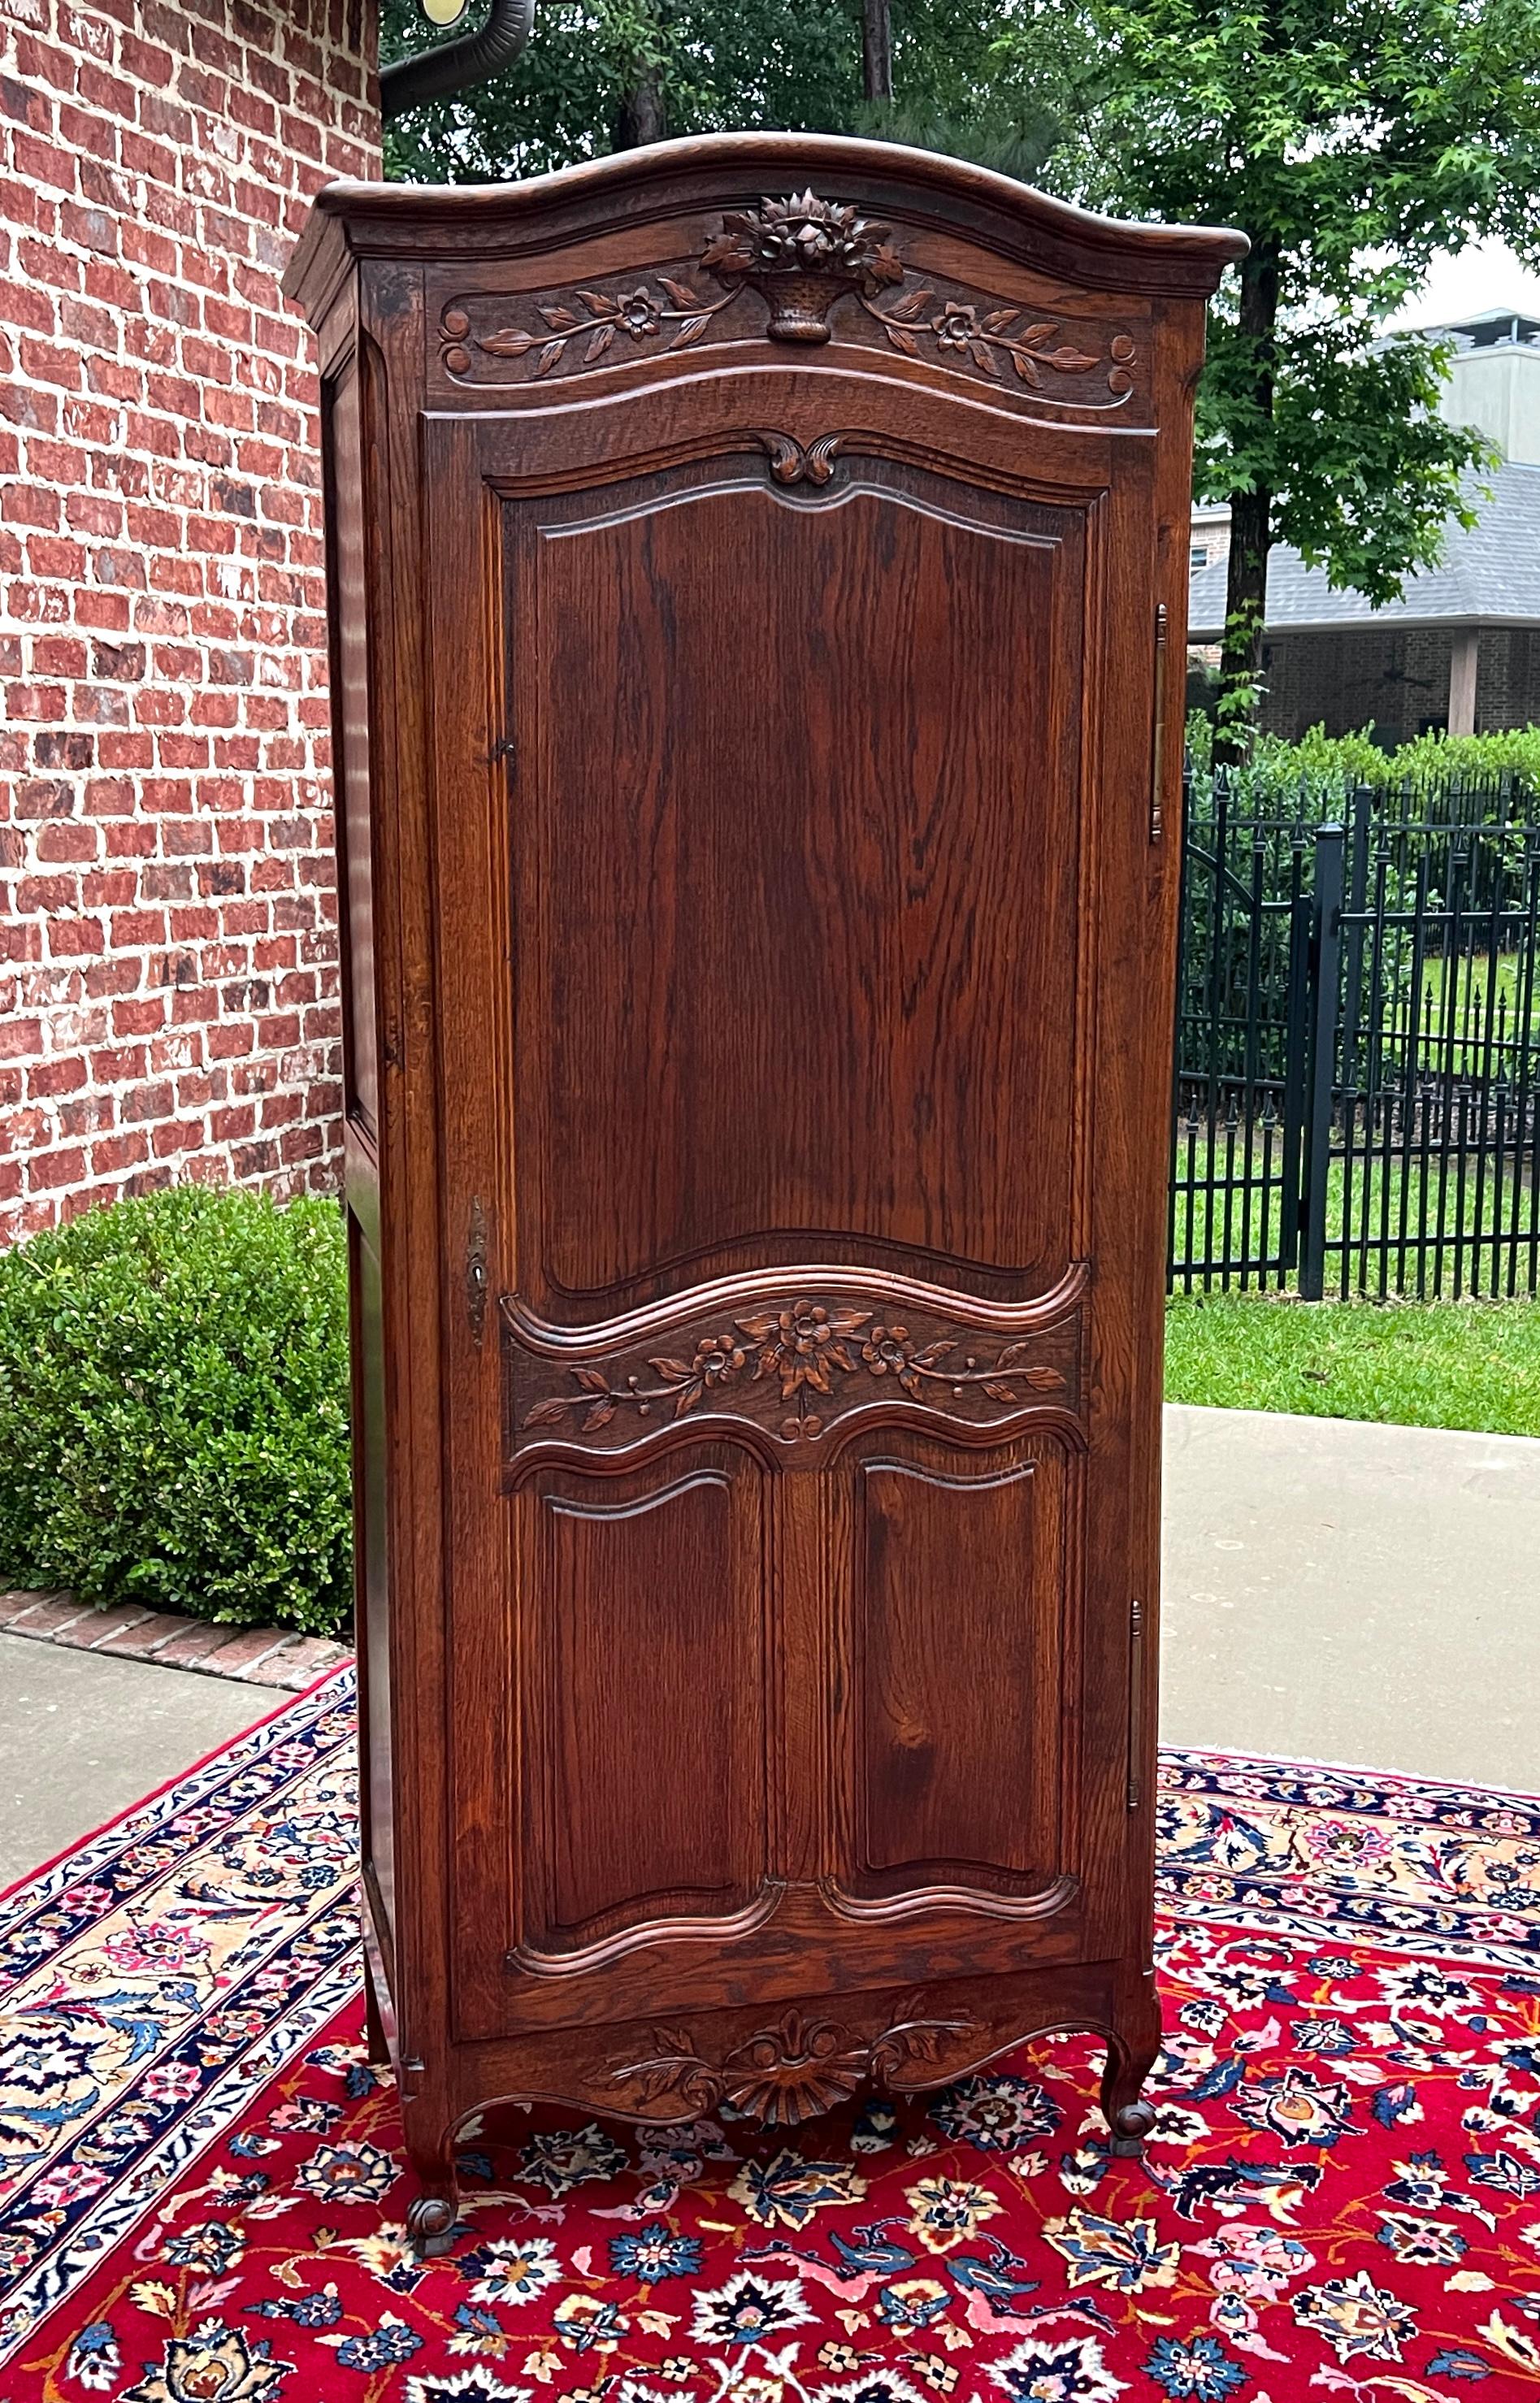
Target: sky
[{"x": 1465, "y": 284}]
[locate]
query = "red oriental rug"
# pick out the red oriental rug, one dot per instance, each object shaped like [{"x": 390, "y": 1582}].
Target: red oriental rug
[{"x": 203, "y": 2195}]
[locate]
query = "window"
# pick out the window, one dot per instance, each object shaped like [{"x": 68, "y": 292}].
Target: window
[{"x": 1197, "y": 556}]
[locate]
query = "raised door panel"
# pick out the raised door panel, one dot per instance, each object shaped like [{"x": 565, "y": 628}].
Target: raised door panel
[
  {"x": 630, "y": 1798},
  {"x": 795, "y": 868},
  {"x": 956, "y": 1617}
]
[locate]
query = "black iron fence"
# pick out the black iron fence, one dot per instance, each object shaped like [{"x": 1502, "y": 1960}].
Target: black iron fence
[{"x": 1357, "y": 1075}]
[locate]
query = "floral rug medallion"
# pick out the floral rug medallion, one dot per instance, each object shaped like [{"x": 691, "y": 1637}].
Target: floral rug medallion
[{"x": 203, "y": 2197}]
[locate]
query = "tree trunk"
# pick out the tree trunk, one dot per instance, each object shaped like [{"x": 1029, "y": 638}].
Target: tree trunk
[
  {"x": 643, "y": 118},
  {"x": 1251, "y": 519},
  {"x": 877, "y": 50},
  {"x": 1245, "y": 596}
]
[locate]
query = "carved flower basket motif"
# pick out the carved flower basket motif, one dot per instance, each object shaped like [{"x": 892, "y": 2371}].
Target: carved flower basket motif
[{"x": 799, "y": 255}]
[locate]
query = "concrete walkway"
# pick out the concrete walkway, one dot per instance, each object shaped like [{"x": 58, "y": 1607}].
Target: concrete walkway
[
  {"x": 1363, "y": 1595},
  {"x": 1333, "y": 1591},
  {"x": 83, "y": 1735}
]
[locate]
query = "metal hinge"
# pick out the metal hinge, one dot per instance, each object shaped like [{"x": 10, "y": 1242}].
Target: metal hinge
[
  {"x": 1157, "y": 739},
  {"x": 1136, "y": 1702}
]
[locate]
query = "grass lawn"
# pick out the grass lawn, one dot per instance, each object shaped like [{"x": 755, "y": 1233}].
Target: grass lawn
[
  {"x": 1378, "y": 1197},
  {"x": 1475, "y": 978},
  {"x": 1446, "y": 1364}
]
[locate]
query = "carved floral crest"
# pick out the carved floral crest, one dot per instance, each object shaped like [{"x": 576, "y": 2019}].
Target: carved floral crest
[
  {"x": 802, "y": 254},
  {"x": 801, "y": 1350},
  {"x": 803, "y": 236},
  {"x": 988, "y": 339}
]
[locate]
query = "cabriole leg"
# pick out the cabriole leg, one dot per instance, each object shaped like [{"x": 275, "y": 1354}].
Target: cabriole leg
[
  {"x": 1133, "y": 2045},
  {"x": 433, "y": 2211}
]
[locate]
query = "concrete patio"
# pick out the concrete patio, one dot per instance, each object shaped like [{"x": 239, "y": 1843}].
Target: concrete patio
[
  {"x": 1333, "y": 1591},
  {"x": 83, "y": 1735},
  {"x": 1363, "y": 1595}
]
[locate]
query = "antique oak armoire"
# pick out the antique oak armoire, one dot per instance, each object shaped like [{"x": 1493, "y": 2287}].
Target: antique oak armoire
[{"x": 758, "y": 574}]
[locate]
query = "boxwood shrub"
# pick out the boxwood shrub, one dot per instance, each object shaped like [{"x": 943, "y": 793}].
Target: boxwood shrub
[
  {"x": 1323, "y": 770},
  {"x": 174, "y": 1409}
]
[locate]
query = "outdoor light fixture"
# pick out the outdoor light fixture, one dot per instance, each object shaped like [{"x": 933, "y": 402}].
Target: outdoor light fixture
[{"x": 474, "y": 58}]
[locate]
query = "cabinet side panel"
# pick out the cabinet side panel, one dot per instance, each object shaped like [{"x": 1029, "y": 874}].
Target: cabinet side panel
[{"x": 371, "y": 1582}]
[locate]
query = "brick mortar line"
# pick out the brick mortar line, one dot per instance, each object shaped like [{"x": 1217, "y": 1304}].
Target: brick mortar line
[
  {"x": 303, "y": 1657},
  {"x": 160, "y": 418}
]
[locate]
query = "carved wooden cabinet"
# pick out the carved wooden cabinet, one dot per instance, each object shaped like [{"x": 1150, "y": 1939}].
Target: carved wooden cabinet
[{"x": 753, "y": 562}]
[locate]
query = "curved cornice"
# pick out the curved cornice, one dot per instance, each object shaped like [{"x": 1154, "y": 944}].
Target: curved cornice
[{"x": 720, "y": 170}]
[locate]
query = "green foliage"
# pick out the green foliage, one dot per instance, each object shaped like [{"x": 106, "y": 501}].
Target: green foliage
[
  {"x": 174, "y": 1409},
  {"x": 1434, "y": 760},
  {"x": 1326, "y": 768},
  {"x": 1450, "y": 1364},
  {"x": 721, "y": 65},
  {"x": 1013, "y": 133},
  {"x": 1364, "y": 474},
  {"x": 1352, "y": 142},
  {"x": 754, "y": 63}
]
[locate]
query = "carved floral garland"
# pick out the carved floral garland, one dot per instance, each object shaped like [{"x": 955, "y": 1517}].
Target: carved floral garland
[
  {"x": 640, "y": 314},
  {"x": 802, "y": 253},
  {"x": 959, "y": 327},
  {"x": 806, "y": 1345}
]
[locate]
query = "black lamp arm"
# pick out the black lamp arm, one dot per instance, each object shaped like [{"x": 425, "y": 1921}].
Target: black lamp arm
[{"x": 475, "y": 57}]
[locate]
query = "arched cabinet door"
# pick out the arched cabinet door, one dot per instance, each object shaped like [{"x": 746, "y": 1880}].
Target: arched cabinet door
[{"x": 766, "y": 771}]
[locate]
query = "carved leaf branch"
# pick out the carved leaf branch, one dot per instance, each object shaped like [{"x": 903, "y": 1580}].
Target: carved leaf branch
[
  {"x": 599, "y": 316},
  {"x": 803, "y": 1348},
  {"x": 986, "y": 338}
]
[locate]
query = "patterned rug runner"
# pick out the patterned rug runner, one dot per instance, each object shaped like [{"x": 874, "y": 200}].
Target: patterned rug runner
[{"x": 203, "y": 2197}]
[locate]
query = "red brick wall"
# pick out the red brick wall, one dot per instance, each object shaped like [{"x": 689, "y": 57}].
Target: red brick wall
[
  {"x": 167, "y": 984},
  {"x": 1508, "y": 681},
  {"x": 1397, "y": 677},
  {"x": 1390, "y": 675}
]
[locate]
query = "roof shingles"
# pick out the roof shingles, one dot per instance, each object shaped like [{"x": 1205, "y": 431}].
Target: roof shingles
[{"x": 1490, "y": 575}]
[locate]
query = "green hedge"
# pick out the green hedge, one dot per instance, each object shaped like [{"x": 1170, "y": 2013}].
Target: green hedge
[
  {"x": 174, "y": 1409},
  {"x": 1328, "y": 767}
]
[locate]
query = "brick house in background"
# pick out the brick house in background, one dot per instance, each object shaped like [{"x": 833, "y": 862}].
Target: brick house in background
[
  {"x": 167, "y": 907},
  {"x": 1460, "y": 651}
]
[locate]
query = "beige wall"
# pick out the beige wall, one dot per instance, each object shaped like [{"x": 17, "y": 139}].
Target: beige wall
[{"x": 1497, "y": 390}]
